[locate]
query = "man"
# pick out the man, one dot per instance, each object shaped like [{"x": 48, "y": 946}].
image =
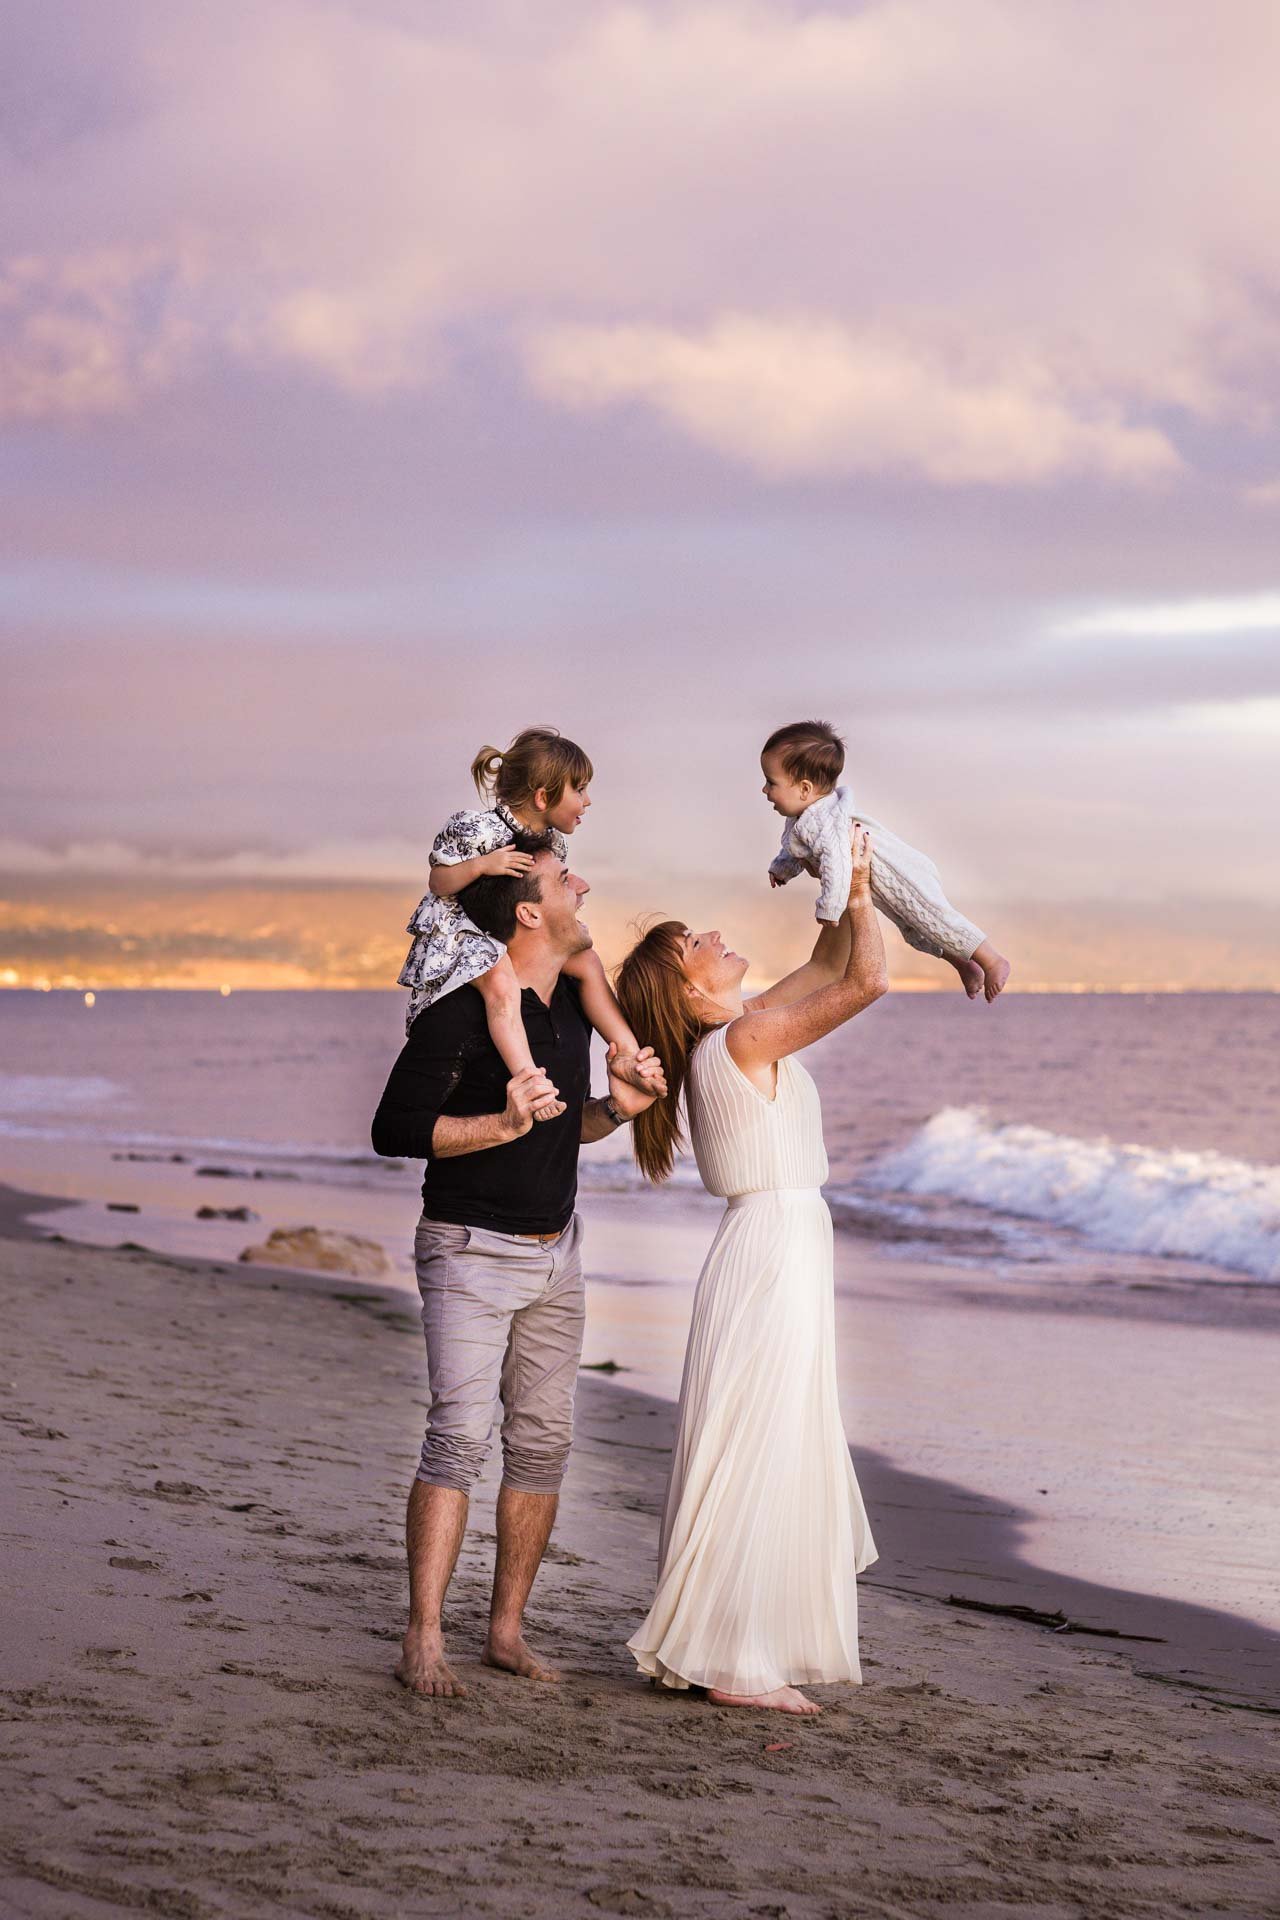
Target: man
[{"x": 498, "y": 1251}]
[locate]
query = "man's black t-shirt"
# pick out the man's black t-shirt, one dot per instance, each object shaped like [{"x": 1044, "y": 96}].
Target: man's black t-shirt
[{"x": 449, "y": 1065}]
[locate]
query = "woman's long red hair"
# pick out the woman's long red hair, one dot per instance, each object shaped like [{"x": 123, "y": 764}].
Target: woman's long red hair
[{"x": 653, "y": 992}]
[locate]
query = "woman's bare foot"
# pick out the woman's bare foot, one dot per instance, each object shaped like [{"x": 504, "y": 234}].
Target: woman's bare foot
[
  {"x": 995, "y": 969},
  {"x": 784, "y": 1699},
  {"x": 972, "y": 978},
  {"x": 424, "y": 1669},
  {"x": 516, "y": 1656}
]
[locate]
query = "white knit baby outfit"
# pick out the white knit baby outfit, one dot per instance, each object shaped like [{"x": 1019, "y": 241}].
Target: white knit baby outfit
[{"x": 905, "y": 884}]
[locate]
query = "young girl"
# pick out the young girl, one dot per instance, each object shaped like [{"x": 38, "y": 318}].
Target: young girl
[
  {"x": 801, "y": 764},
  {"x": 539, "y": 784}
]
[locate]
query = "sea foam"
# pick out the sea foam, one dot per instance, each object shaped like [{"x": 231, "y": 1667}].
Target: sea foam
[
  {"x": 1195, "y": 1205},
  {"x": 55, "y": 1092}
]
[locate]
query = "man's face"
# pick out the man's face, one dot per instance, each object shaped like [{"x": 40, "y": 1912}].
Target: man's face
[{"x": 562, "y": 895}]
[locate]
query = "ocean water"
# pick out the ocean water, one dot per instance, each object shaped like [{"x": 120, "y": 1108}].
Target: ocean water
[
  {"x": 1058, "y": 1232},
  {"x": 1040, "y": 1131}
]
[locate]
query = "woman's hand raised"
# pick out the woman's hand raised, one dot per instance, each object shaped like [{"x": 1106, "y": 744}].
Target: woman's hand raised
[{"x": 860, "y": 875}]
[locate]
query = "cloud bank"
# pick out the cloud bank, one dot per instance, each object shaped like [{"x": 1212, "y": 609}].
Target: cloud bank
[{"x": 973, "y": 242}]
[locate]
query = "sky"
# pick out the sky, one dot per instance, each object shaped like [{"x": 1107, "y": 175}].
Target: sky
[{"x": 379, "y": 378}]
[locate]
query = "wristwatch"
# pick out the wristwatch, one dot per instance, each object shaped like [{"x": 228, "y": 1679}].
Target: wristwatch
[{"x": 618, "y": 1119}]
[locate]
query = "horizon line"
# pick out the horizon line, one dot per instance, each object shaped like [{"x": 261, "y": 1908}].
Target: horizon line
[{"x": 225, "y": 989}]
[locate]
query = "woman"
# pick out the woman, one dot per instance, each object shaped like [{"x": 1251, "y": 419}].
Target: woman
[{"x": 764, "y": 1528}]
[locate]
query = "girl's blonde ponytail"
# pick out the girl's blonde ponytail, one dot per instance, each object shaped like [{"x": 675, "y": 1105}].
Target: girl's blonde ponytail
[
  {"x": 484, "y": 770},
  {"x": 538, "y": 757}
]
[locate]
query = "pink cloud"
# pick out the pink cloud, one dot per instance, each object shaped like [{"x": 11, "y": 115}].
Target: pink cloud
[{"x": 1022, "y": 228}]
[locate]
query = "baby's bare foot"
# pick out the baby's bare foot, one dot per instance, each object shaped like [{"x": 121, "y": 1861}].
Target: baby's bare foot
[
  {"x": 782, "y": 1699},
  {"x": 972, "y": 977},
  {"x": 549, "y": 1110},
  {"x": 995, "y": 969}
]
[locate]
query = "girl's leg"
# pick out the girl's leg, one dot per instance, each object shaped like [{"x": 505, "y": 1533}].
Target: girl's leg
[
  {"x": 500, "y": 991},
  {"x": 598, "y": 1003}
]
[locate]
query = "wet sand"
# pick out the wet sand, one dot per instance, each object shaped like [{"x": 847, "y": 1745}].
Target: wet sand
[{"x": 204, "y": 1590}]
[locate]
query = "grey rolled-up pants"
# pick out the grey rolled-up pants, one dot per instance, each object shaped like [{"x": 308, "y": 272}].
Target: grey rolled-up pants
[{"x": 503, "y": 1319}]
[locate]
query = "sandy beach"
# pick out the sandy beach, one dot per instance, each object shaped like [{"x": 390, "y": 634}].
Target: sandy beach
[{"x": 204, "y": 1591}]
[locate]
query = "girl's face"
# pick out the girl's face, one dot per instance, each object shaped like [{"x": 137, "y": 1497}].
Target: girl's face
[{"x": 566, "y": 815}]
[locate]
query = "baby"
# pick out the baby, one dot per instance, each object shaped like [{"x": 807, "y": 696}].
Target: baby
[
  {"x": 801, "y": 765},
  {"x": 539, "y": 784}
]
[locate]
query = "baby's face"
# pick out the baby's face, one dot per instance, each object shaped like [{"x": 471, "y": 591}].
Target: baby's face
[{"x": 786, "y": 796}]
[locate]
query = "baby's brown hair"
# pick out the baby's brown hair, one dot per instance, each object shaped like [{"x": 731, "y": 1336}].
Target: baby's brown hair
[
  {"x": 537, "y": 757},
  {"x": 809, "y": 750}
]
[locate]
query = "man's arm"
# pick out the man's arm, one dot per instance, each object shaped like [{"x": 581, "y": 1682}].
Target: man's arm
[
  {"x": 597, "y": 1122},
  {"x": 636, "y": 1080},
  {"x": 456, "y": 1133},
  {"x": 409, "y": 1123}
]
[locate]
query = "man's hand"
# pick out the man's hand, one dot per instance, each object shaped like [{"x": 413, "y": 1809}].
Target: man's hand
[
  {"x": 525, "y": 1091},
  {"x": 505, "y": 860},
  {"x": 636, "y": 1080}
]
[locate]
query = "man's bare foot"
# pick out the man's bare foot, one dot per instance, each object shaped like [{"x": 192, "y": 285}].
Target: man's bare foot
[
  {"x": 972, "y": 978},
  {"x": 784, "y": 1699},
  {"x": 424, "y": 1669},
  {"x": 516, "y": 1656}
]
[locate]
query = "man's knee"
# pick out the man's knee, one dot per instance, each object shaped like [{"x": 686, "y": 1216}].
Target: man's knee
[
  {"x": 537, "y": 1467},
  {"x": 452, "y": 1459}
]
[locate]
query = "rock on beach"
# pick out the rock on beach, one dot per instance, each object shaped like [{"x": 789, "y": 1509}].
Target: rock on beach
[{"x": 322, "y": 1250}]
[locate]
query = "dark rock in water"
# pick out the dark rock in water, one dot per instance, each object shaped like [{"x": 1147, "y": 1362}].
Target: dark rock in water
[
  {"x": 225, "y": 1213},
  {"x": 273, "y": 1173},
  {"x": 602, "y": 1366},
  {"x": 172, "y": 1159},
  {"x": 122, "y": 1206},
  {"x": 221, "y": 1173},
  {"x": 131, "y": 1246}
]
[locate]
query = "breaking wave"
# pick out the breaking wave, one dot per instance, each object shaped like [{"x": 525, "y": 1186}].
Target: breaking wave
[{"x": 1193, "y": 1205}]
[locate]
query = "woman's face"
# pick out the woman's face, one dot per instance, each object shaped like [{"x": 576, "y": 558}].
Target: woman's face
[{"x": 714, "y": 969}]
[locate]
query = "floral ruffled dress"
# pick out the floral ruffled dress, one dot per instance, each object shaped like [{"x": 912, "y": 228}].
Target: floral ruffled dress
[{"x": 448, "y": 949}]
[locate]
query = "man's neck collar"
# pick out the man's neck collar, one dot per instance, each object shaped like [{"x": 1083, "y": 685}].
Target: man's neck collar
[{"x": 537, "y": 968}]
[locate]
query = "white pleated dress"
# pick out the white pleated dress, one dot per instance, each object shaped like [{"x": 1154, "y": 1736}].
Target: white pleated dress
[{"x": 764, "y": 1528}]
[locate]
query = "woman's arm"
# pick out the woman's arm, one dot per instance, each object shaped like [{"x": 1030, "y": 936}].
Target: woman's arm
[
  {"x": 448, "y": 880},
  {"x": 764, "y": 1034},
  {"x": 825, "y": 964}
]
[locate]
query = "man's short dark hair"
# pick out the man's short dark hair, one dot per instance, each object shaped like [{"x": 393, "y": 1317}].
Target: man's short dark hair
[{"x": 491, "y": 901}]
